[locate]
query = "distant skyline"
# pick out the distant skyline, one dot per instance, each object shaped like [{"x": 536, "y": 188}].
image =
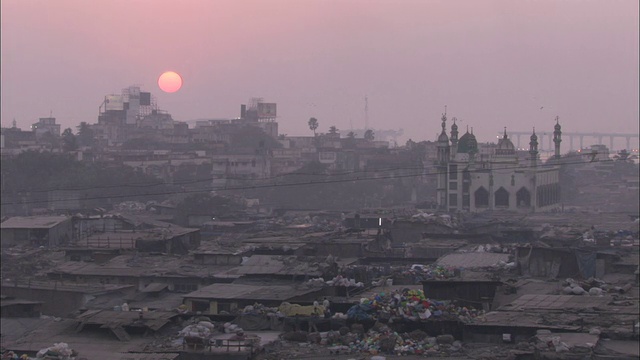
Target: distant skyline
[{"x": 493, "y": 63}]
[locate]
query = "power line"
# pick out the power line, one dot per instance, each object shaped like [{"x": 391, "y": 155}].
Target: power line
[
  {"x": 209, "y": 179},
  {"x": 274, "y": 185}
]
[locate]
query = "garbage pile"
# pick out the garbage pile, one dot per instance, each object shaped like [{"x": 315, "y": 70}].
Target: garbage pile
[
  {"x": 336, "y": 281},
  {"x": 130, "y": 206},
  {"x": 592, "y": 287},
  {"x": 230, "y": 328},
  {"x": 381, "y": 340},
  {"x": 202, "y": 329},
  {"x": 60, "y": 351},
  {"x": 430, "y": 272},
  {"x": 444, "y": 219},
  {"x": 409, "y": 305},
  {"x": 260, "y": 309},
  {"x": 546, "y": 341}
]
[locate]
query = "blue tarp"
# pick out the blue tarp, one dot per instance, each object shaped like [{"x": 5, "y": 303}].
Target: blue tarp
[
  {"x": 359, "y": 312},
  {"x": 586, "y": 263}
]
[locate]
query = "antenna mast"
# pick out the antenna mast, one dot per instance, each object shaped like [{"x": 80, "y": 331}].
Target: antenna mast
[{"x": 366, "y": 113}]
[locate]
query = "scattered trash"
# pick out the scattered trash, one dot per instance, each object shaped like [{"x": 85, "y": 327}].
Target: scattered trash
[{"x": 60, "y": 351}]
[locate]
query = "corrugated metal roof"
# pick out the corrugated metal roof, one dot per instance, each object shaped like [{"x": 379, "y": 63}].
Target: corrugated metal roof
[
  {"x": 249, "y": 292},
  {"x": 72, "y": 287},
  {"x": 152, "y": 319},
  {"x": 277, "y": 265},
  {"x": 154, "y": 287},
  {"x": 33, "y": 222},
  {"x": 556, "y": 302},
  {"x": 141, "y": 265},
  {"x": 518, "y": 319},
  {"x": 9, "y": 301},
  {"x": 472, "y": 259}
]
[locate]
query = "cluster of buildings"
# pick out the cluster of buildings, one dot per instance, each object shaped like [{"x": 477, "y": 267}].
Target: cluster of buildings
[
  {"x": 491, "y": 260},
  {"x": 467, "y": 175},
  {"x": 501, "y": 280}
]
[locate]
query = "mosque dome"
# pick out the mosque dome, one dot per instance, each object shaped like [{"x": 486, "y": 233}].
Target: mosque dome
[
  {"x": 468, "y": 144},
  {"x": 505, "y": 146},
  {"x": 534, "y": 137},
  {"x": 557, "y": 126},
  {"x": 443, "y": 137}
]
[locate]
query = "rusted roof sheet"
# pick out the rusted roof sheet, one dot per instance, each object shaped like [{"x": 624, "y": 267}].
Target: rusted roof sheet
[
  {"x": 472, "y": 259},
  {"x": 154, "y": 320},
  {"x": 33, "y": 222},
  {"x": 249, "y": 292},
  {"x": 277, "y": 265},
  {"x": 556, "y": 302}
]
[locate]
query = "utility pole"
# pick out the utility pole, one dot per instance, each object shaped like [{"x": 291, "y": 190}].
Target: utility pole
[{"x": 366, "y": 113}]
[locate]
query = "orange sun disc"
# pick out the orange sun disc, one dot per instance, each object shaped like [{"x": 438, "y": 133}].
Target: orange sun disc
[{"x": 170, "y": 81}]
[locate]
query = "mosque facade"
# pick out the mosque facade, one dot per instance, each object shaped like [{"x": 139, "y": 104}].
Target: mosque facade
[{"x": 472, "y": 182}]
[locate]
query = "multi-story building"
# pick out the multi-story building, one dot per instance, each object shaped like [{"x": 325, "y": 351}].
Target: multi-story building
[{"x": 46, "y": 125}]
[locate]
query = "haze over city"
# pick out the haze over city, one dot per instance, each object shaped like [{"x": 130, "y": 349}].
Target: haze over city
[{"x": 493, "y": 63}]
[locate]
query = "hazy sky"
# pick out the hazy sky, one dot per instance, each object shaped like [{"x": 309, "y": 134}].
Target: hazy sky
[{"x": 493, "y": 63}]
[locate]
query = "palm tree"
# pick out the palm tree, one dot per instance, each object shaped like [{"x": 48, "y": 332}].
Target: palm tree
[
  {"x": 69, "y": 142},
  {"x": 86, "y": 136},
  {"x": 350, "y": 142},
  {"x": 368, "y": 135},
  {"x": 313, "y": 125}
]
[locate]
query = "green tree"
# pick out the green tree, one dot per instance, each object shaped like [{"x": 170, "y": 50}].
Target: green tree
[
  {"x": 333, "y": 130},
  {"x": 350, "y": 141},
  {"x": 86, "y": 136},
  {"x": 31, "y": 175},
  {"x": 69, "y": 142},
  {"x": 369, "y": 135},
  {"x": 50, "y": 140},
  {"x": 313, "y": 125}
]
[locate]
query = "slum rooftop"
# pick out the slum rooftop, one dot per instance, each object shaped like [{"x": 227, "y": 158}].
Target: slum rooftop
[{"x": 32, "y": 222}]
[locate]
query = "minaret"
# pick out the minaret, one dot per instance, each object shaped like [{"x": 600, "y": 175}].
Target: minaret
[
  {"x": 443, "y": 142},
  {"x": 443, "y": 165},
  {"x": 533, "y": 149},
  {"x": 557, "y": 138},
  {"x": 454, "y": 137}
]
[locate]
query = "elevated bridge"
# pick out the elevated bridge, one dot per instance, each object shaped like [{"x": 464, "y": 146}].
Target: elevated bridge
[{"x": 545, "y": 139}]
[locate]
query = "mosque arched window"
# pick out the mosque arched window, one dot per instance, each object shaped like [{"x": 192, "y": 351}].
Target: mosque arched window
[
  {"x": 481, "y": 197},
  {"x": 502, "y": 198},
  {"x": 523, "y": 197}
]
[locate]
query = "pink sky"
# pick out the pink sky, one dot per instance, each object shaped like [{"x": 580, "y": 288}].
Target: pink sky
[{"x": 493, "y": 63}]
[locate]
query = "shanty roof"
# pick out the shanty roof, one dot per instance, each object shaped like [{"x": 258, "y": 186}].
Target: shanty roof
[
  {"x": 142, "y": 265},
  {"x": 277, "y": 265},
  {"x": 472, "y": 259},
  {"x": 556, "y": 302},
  {"x": 126, "y": 239},
  {"x": 70, "y": 287},
  {"x": 154, "y": 287},
  {"x": 521, "y": 320},
  {"x": 249, "y": 292},
  {"x": 150, "y": 356},
  {"x": 8, "y": 301},
  {"x": 154, "y": 320},
  {"x": 33, "y": 222}
]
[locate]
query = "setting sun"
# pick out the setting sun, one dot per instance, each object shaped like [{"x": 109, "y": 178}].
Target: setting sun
[{"x": 170, "y": 81}]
